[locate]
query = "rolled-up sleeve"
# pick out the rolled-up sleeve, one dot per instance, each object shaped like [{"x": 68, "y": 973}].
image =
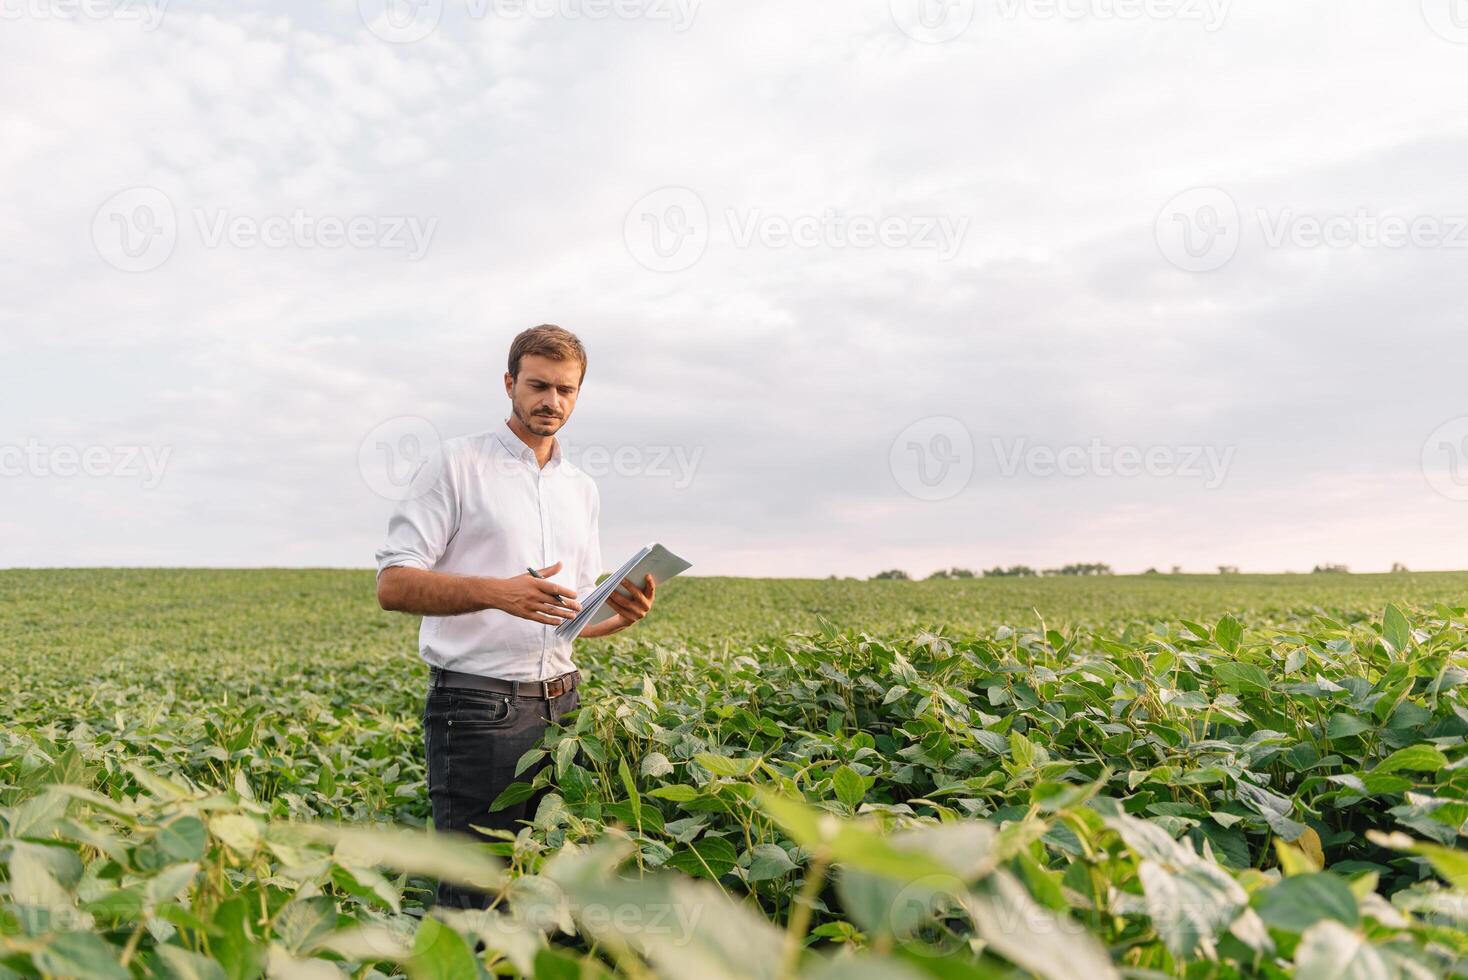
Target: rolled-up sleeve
[
  {"x": 422, "y": 526},
  {"x": 591, "y": 561}
]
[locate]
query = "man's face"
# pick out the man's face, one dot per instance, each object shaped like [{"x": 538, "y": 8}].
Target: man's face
[{"x": 544, "y": 394}]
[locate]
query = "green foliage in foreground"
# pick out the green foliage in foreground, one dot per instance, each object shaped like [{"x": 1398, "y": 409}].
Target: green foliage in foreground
[{"x": 971, "y": 795}]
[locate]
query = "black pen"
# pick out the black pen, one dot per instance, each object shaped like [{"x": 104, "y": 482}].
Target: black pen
[{"x": 535, "y": 574}]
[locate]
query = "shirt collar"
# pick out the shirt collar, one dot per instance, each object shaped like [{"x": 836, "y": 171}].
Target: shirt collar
[{"x": 515, "y": 447}]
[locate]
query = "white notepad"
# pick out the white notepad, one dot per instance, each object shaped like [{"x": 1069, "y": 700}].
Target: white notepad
[{"x": 654, "y": 560}]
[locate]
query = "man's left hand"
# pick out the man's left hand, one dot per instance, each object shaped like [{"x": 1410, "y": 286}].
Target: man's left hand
[{"x": 631, "y": 608}]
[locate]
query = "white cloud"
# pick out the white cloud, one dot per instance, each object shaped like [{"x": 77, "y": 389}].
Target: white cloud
[{"x": 790, "y": 368}]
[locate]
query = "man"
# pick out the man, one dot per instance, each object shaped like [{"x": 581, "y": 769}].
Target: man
[{"x": 490, "y": 507}]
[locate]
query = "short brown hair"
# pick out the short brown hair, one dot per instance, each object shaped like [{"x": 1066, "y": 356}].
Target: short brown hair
[{"x": 547, "y": 340}]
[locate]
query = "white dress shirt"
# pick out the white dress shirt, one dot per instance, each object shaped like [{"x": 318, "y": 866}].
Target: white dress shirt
[{"x": 490, "y": 510}]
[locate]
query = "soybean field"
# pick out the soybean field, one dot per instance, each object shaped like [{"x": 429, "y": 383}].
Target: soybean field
[{"x": 219, "y": 774}]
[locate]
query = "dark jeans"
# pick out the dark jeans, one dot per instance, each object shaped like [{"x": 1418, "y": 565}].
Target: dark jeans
[{"x": 473, "y": 740}]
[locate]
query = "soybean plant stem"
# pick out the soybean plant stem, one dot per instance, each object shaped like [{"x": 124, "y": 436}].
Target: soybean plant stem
[{"x": 800, "y": 913}]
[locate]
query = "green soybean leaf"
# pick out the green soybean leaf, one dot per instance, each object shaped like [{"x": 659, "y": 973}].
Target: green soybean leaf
[
  {"x": 849, "y": 785},
  {"x": 1330, "y": 951},
  {"x": 566, "y": 754},
  {"x": 183, "y": 839},
  {"x": 79, "y": 954},
  {"x": 723, "y": 765},
  {"x": 1449, "y": 862},
  {"x": 630, "y": 786},
  {"x": 439, "y": 953},
  {"x": 1413, "y": 758},
  {"x": 1241, "y": 677},
  {"x": 1298, "y": 902},
  {"x": 709, "y": 857},
  {"x": 769, "y": 861},
  {"x": 1228, "y": 633},
  {"x": 1396, "y": 631},
  {"x": 1346, "y": 726},
  {"x": 181, "y": 964}
]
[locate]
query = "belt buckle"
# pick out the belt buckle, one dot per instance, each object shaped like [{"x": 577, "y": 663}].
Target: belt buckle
[{"x": 545, "y": 690}]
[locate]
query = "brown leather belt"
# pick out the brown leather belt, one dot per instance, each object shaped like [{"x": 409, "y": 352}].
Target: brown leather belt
[{"x": 553, "y": 687}]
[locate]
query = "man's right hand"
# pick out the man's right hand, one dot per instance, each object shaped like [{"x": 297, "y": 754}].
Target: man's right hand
[{"x": 534, "y": 598}]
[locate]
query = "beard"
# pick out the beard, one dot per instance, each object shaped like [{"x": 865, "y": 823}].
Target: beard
[{"x": 541, "y": 425}]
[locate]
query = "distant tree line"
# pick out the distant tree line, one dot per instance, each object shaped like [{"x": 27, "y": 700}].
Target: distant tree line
[
  {"x": 1082, "y": 568},
  {"x": 1013, "y": 571},
  {"x": 1087, "y": 568}
]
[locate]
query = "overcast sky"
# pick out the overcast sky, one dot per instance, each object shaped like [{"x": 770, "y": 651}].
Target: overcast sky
[{"x": 864, "y": 284}]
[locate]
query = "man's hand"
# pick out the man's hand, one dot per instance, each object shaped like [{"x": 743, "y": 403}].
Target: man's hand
[
  {"x": 424, "y": 593},
  {"x": 534, "y": 598},
  {"x": 630, "y": 608},
  {"x": 633, "y": 608}
]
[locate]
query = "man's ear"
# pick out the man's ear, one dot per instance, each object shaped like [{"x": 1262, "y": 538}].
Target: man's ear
[{"x": 509, "y": 383}]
